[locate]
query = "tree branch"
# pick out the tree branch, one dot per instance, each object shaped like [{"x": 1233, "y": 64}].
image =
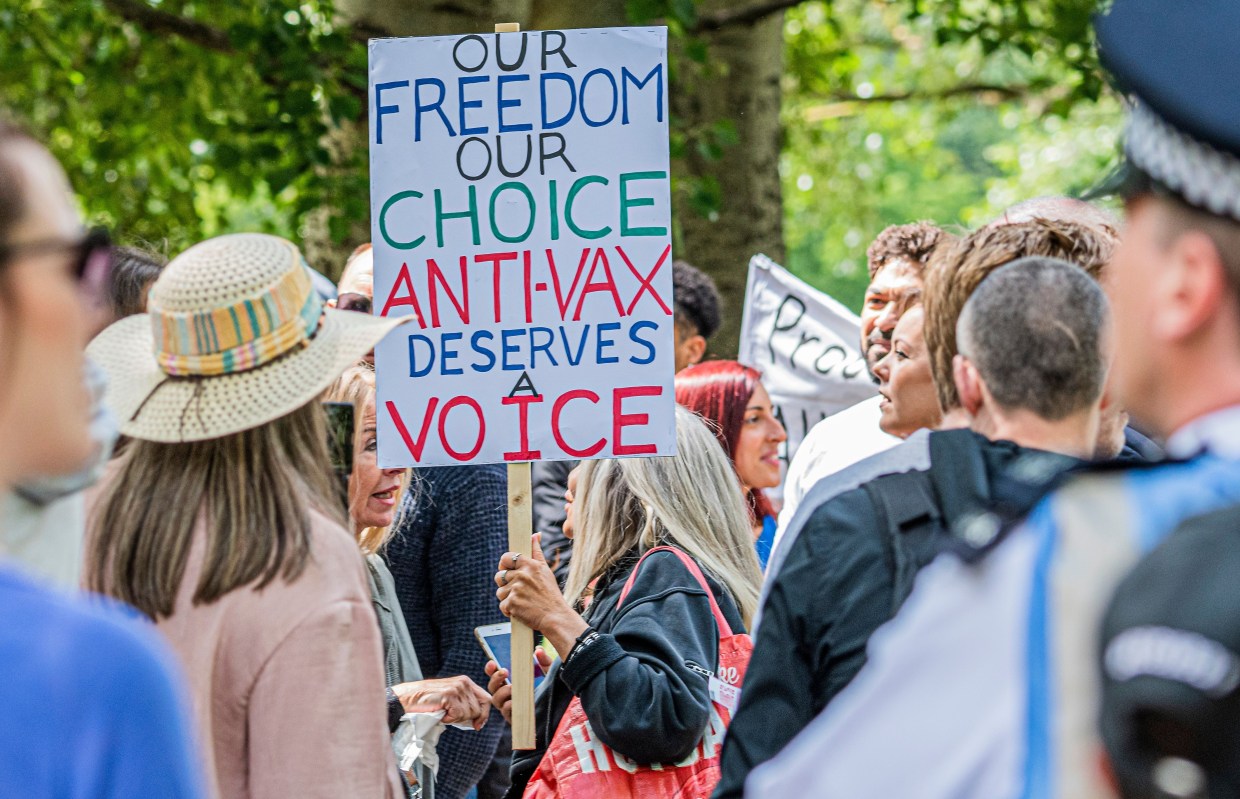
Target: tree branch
[
  {"x": 156, "y": 21},
  {"x": 746, "y": 15},
  {"x": 843, "y": 104},
  {"x": 1002, "y": 91}
]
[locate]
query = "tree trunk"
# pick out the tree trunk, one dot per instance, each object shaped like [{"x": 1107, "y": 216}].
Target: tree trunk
[{"x": 740, "y": 84}]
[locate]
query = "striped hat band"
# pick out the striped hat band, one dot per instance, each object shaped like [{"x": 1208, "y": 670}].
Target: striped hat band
[{"x": 238, "y": 337}]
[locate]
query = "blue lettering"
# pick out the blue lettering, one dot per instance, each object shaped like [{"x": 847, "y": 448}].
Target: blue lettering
[
  {"x": 548, "y": 124},
  {"x": 419, "y": 108},
  {"x": 605, "y": 342},
  {"x": 508, "y": 349},
  {"x": 445, "y": 354},
  {"x": 627, "y": 77},
  {"x": 573, "y": 360},
  {"x": 544, "y": 347},
  {"x": 475, "y": 345},
  {"x": 414, "y": 371},
  {"x": 502, "y": 103},
  {"x": 615, "y": 97},
  {"x": 636, "y": 339},
  {"x": 465, "y": 105},
  {"x": 381, "y": 109}
]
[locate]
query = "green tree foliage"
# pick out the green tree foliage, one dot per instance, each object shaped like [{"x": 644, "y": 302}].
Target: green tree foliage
[
  {"x": 947, "y": 111},
  {"x": 183, "y": 118},
  {"x": 180, "y": 119}
]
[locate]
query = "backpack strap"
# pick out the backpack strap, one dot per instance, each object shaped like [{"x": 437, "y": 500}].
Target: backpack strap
[
  {"x": 903, "y": 502},
  {"x": 725, "y": 629}
]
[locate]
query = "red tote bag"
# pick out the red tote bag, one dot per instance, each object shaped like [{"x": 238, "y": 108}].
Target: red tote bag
[{"x": 578, "y": 765}]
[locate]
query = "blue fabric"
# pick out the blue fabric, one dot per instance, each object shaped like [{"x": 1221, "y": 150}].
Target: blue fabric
[
  {"x": 1159, "y": 498},
  {"x": 766, "y": 540},
  {"x": 92, "y": 704},
  {"x": 443, "y": 558}
]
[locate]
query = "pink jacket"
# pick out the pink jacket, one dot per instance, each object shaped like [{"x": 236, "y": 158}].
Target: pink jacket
[{"x": 287, "y": 682}]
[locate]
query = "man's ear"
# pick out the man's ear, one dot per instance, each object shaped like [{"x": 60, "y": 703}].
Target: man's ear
[
  {"x": 1194, "y": 285},
  {"x": 968, "y": 384},
  {"x": 695, "y": 349}
]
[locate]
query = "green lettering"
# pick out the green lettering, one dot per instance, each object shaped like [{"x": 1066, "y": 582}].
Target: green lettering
[
  {"x": 637, "y": 202},
  {"x": 578, "y": 185},
  {"x": 471, "y": 213},
  {"x": 395, "y": 198}
]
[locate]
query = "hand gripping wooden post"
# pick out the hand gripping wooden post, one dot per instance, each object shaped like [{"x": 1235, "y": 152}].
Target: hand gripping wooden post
[{"x": 520, "y": 528}]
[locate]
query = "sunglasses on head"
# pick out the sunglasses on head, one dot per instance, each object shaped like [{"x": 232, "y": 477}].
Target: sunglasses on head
[
  {"x": 92, "y": 255},
  {"x": 350, "y": 301}
]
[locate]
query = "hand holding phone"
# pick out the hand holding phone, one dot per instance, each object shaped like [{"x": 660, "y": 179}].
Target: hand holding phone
[{"x": 496, "y": 641}]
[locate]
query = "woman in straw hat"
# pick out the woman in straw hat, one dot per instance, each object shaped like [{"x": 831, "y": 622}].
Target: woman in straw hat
[{"x": 220, "y": 522}]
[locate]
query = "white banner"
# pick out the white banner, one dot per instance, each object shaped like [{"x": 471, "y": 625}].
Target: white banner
[
  {"x": 806, "y": 345},
  {"x": 521, "y": 212}
]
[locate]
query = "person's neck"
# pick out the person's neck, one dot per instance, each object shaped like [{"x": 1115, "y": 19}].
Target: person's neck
[
  {"x": 1074, "y": 435},
  {"x": 955, "y": 419}
]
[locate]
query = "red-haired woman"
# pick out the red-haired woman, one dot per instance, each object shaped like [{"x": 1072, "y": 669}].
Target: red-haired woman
[{"x": 730, "y": 397}]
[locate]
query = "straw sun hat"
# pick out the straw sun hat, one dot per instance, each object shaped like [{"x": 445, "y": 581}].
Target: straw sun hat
[{"x": 234, "y": 337}]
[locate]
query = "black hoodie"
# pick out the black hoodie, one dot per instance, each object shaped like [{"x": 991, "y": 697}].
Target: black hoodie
[
  {"x": 643, "y": 680},
  {"x": 845, "y": 576}
]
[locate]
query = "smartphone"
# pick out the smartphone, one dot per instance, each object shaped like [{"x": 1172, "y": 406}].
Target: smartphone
[
  {"x": 496, "y": 640},
  {"x": 340, "y": 427}
]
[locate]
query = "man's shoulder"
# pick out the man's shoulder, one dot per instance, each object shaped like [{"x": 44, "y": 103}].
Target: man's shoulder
[{"x": 912, "y": 454}]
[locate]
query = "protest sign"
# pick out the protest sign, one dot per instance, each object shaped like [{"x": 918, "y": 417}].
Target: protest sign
[
  {"x": 521, "y": 212},
  {"x": 807, "y": 346}
]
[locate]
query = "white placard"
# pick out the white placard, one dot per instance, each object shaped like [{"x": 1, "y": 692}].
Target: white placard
[
  {"x": 521, "y": 211},
  {"x": 807, "y": 346}
]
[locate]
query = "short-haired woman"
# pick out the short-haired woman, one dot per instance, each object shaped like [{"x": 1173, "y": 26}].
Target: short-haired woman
[
  {"x": 731, "y": 398},
  {"x": 221, "y": 520},
  {"x": 641, "y": 670}
]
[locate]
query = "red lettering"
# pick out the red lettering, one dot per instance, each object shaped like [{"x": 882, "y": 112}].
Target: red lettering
[
  {"x": 434, "y": 276},
  {"x": 410, "y": 299},
  {"x": 560, "y": 299},
  {"x": 644, "y": 282},
  {"x": 558, "y": 407},
  {"x": 443, "y": 421},
  {"x": 523, "y": 403},
  {"x": 621, "y": 420},
  {"x": 529, "y": 300},
  {"x": 608, "y": 285},
  {"x": 415, "y": 447},
  {"x": 496, "y": 259}
]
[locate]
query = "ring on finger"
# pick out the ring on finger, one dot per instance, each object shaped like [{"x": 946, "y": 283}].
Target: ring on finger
[
  {"x": 504, "y": 577},
  {"x": 514, "y": 559}
]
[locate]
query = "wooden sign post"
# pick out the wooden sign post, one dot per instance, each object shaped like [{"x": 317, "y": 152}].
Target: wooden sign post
[{"x": 520, "y": 528}]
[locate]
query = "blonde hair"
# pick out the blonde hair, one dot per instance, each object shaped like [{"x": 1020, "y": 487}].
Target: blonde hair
[
  {"x": 689, "y": 500},
  {"x": 357, "y": 385}
]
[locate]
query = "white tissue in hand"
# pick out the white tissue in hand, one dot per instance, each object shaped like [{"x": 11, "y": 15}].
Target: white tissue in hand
[{"x": 417, "y": 736}]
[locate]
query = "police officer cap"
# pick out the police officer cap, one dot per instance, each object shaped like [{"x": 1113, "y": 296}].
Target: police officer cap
[{"x": 1180, "y": 62}]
